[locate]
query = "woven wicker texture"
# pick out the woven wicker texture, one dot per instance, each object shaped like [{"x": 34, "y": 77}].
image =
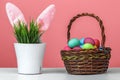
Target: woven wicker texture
[{"x": 91, "y": 61}]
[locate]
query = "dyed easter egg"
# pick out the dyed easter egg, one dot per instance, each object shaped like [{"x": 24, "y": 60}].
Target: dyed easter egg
[
  {"x": 81, "y": 46},
  {"x": 95, "y": 47},
  {"x": 67, "y": 48},
  {"x": 97, "y": 42},
  {"x": 87, "y": 46},
  {"x": 73, "y": 42},
  {"x": 89, "y": 40},
  {"x": 101, "y": 48},
  {"x": 76, "y": 48},
  {"x": 82, "y": 41}
]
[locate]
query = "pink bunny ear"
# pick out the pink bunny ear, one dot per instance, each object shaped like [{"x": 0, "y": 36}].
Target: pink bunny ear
[
  {"x": 46, "y": 17},
  {"x": 14, "y": 14}
]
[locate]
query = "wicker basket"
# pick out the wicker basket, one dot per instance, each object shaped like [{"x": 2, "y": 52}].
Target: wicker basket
[{"x": 91, "y": 61}]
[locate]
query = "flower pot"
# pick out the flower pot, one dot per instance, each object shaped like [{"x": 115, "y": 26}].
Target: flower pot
[{"x": 29, "y": 57}]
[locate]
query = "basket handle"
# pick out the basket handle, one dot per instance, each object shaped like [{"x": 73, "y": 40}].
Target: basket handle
[{"x": 90, "y": 15}]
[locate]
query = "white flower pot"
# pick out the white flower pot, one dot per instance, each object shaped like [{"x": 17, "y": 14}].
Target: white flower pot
[{"x": 29, "y": 57}]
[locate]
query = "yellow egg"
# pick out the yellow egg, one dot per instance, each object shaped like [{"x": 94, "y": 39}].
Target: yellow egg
[
  {"x": 87, "y": 46},
  {"x": 95, "y": 47}
]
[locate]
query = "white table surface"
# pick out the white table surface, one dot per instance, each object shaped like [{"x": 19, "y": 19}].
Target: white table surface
[{"x": 57, "y": 74}]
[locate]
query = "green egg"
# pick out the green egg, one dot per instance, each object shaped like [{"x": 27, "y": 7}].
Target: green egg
[
  {"x": 87, "y": 46},
  {"x": 73, "y": 42}
]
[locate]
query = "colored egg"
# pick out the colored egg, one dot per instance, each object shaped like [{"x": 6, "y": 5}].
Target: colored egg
[
  {"x": 101, "y": 48},
  {"x": 89, "y": 40},
  {"x": 87, "y": 46},
  {"x": 76, "y": 48},
  {"x": 67, "y": 48},
  {"x": 95, "y": 47},
  {"x": 97, "y": 42},
  {"x": 82, "y": 41},
  {"x": 81, "y": 46},
  {"x": 73, "y": 42}
]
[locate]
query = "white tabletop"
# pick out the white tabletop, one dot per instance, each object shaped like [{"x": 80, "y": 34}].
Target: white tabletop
[{"x": 57, "y": 74}]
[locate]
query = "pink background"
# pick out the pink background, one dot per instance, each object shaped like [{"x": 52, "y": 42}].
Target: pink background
[{"x": 55, "y": 37}]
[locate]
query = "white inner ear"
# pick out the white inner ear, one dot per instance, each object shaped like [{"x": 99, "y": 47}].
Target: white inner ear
[
  {"x": 14, "y": 14},
  {"x": 18, "y": 18},
  {"x": 46, "y": 17}
]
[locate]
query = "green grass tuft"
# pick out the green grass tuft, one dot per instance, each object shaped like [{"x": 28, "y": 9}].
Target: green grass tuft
[{"x": 24, "y": 34}]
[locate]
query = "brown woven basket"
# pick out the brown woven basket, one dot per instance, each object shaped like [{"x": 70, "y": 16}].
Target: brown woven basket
[{"x": 91, "y": 61}]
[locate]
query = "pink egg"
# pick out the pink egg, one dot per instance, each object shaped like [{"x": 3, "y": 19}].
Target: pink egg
[
  {"x": 67, "y": 48},
  {"x": 89, "y": 40},
  {"x": 76, "y": 48},
  {"x": 97, "y": 42}
]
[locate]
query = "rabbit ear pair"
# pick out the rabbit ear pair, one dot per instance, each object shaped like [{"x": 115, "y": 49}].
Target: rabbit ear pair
[{"x": 44, "y": 19}]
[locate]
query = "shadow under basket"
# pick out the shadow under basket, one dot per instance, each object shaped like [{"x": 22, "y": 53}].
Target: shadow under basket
[{"x": 92, "y": 61}]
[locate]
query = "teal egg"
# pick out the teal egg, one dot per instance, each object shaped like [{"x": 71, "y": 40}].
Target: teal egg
[
  {"x": 73, "y": 42},
  {"x": 87, "y": 46},
  {"x": 101, "y": 48},
  {"x": 82, "y": 41}
]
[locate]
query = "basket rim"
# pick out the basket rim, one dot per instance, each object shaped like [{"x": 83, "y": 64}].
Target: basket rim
[{"x": 87, "y": 50}]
